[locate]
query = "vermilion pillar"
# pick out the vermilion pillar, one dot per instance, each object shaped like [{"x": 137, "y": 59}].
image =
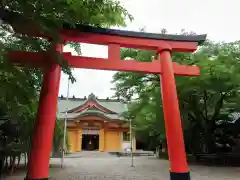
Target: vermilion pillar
[
  {"x": 174, "y": 133},
  {"x": 38, "y": 164}
]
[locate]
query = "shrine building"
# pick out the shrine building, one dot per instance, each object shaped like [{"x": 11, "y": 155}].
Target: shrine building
[{"x": 95, "y": 124}]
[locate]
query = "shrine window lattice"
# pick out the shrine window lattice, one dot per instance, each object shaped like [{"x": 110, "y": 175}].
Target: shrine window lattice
[{"x": 126, "y": 136}]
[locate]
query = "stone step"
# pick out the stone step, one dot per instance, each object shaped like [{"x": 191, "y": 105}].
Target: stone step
[{"x": 88, "y": 154}]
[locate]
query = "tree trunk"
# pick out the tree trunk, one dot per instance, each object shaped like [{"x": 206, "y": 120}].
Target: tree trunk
[
  {"x": 25, "y": 159},
  {"x": 164, "y": 146}
]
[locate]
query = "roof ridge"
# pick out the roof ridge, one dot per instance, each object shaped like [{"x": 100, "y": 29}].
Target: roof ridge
[{"x": 85, "y": 99}]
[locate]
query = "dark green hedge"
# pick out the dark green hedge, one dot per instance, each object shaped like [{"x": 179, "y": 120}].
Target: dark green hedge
[{"x": 164, "y": 155}]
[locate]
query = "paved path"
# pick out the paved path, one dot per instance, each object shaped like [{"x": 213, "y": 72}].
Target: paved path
[{"x": 114, "y": 168}]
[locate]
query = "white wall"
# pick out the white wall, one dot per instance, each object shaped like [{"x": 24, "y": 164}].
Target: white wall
[{"x": 126, "y": 144}]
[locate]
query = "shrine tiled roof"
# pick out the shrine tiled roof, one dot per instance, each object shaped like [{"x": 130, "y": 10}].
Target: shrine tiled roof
[
  {"x": 72, "y": 116},
  {"x": 77, "y": 107}
]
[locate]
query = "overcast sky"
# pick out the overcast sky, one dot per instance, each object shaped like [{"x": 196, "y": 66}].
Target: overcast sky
[{"x": 219, "y": 19}]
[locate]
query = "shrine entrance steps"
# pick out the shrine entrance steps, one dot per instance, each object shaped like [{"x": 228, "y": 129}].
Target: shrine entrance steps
[{"x": 88, "y": 154}]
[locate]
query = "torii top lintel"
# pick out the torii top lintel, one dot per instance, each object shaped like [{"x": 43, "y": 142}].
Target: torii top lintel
[
  {"x": 129, "y": 39},
  {"x": 113, "y": 38}
]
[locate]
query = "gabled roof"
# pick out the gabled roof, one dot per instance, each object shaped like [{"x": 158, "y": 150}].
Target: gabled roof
[
  {"x": 77, "y": 107},
  {"x": 91, "y": 103}
]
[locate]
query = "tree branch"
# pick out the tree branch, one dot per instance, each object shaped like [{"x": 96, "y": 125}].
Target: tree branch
[
  {"x": 205, "y": 103},
  {"x": 218, "y": 107}
]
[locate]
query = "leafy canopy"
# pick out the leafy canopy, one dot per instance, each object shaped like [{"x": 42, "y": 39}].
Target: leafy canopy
[
  {"x": 203, "y": 100},
  {"x": 20, "y": 86},
  {"x": 48, "y": 16}
]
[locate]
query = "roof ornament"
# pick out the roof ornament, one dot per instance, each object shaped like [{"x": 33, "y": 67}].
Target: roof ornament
[{"x": 92, "y": 97}]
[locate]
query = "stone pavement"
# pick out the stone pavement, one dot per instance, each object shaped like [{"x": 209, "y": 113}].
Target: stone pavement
[{"x": 114, "y": 168}]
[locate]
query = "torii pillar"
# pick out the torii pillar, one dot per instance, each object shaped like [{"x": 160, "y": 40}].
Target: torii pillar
[
  {"x": 42, "y": 139},
  {"x": 174, "y": 133}
]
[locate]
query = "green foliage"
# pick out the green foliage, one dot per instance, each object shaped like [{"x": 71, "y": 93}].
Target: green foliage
[
  {"x": 48, "y": 16},
  {"x": 20, "y": 86},
  {"x": 59, "y": 135},
  {"x": 203, "y": 100},
  {"x": 146, "y": 109}
]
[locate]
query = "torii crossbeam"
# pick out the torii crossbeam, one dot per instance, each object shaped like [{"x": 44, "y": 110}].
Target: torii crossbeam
[
  {"x": 163, "y": 44},
  {"x": 39, "y": 60}
]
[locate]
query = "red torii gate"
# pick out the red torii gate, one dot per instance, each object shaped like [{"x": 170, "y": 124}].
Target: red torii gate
[{"x": 38, "y": 165}]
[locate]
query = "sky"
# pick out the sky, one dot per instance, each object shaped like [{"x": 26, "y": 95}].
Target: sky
[{"x": 216, "y": 18}]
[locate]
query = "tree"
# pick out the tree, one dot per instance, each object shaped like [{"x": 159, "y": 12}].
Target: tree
[
  {"x": 20, "y": 86},
  {"x": 203, "y": 100},
  {"x": 209, "y": 98},
  {"x": 47, "y": 17},
  {"x": 146, "y": 109}
]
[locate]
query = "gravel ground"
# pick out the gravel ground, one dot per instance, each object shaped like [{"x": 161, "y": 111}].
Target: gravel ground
[{"x": 114, "y": 168}]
